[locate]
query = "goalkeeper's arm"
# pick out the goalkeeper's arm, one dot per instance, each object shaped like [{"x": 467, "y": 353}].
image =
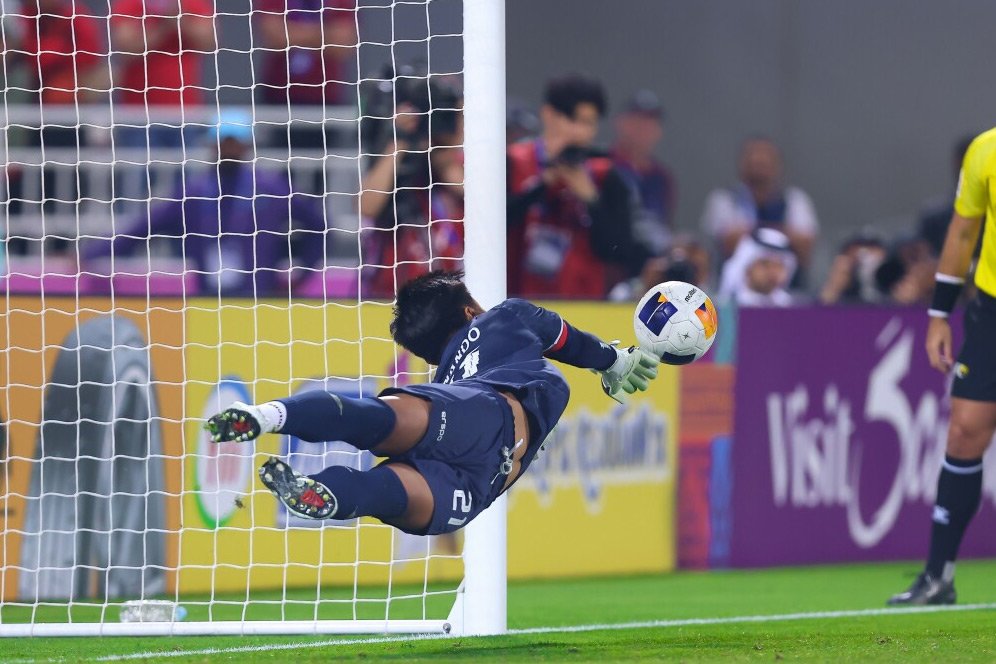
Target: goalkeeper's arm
[{"x": 625, "y": 370}]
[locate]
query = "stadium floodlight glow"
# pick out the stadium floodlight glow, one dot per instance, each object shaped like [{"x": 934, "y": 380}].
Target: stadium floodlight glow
[{"x": 119, "y": 518}]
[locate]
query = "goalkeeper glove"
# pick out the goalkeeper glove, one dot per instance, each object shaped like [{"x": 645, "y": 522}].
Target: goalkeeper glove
[{"x": 633, "y": 370}]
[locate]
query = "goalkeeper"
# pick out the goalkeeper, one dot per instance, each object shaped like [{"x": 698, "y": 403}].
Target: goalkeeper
[{"x": 453, "y": 445}]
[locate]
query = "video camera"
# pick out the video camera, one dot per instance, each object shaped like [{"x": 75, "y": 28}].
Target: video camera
[
  {"x": 437, "y": 103},
  {"x": 575, "y": 156}
]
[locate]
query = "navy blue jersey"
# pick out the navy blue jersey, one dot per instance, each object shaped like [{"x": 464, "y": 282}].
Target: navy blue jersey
[{"x": 505, "y": 348}]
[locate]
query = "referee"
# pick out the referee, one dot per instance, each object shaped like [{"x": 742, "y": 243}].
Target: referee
[{"x": 973, "y": 392}]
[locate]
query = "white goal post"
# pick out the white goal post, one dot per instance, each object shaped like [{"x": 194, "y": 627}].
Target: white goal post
[
  {"x": 481, "y": 608},
  {"x": 39, "y": 574}
]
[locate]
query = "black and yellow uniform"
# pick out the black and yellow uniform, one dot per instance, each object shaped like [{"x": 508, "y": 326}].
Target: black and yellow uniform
[{"x": 975, "y": 372}]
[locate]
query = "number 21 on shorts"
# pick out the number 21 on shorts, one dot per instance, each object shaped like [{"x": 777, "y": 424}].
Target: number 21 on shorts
[{"x": 462, "y": 502}]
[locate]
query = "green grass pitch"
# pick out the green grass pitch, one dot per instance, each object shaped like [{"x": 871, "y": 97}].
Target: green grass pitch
[{"x": 709, "y": 616}]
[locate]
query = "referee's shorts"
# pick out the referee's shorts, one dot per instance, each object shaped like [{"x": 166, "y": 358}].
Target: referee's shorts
[{"x": 975, "y": 370}]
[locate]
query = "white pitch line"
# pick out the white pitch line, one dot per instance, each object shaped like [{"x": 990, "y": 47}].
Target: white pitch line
[
  {"x": 784, "y": 617},
  {"x": 648, "y": 624}
]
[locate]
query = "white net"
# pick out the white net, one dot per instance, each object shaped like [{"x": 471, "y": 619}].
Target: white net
[{"x": 204, "y": 202}]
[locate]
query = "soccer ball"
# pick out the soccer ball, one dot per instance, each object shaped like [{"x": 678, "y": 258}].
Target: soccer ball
[{"x": 676, "y": 322}]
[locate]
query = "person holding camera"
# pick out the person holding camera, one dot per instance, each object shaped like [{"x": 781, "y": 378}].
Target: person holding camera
[
  {"x": 569, "y": 212},
  {"x": 411, "y": 196},
  {"x": 852, "y": 278}
]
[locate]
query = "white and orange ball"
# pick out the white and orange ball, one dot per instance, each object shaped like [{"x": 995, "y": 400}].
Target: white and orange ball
[{"x": 675, "y": 321}]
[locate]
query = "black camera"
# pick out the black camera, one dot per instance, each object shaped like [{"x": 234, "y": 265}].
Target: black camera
[
  {"x": 573, "y": 155},
  {"x": 437, "y": 104}
]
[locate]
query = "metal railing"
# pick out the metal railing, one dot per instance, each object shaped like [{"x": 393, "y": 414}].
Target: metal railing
[{"x": 100, "y": 184}]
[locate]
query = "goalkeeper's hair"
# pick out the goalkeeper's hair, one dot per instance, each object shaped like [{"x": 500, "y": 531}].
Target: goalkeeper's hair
[
  {"x": 429, "y": 310},
  {"x": 565, "y": 93}
]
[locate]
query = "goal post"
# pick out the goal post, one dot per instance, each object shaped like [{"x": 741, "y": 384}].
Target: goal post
[
  {"x": 481, "y": 609},
  {"x": 112, "y": 502}
]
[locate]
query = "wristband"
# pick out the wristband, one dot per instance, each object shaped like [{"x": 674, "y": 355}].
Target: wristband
[{"x": 946, "y": 292}]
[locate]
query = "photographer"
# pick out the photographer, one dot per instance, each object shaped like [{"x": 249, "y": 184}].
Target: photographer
[
  {"x": 411, "y": 196},
  {"x": 569, "y": 214},
  {"x": 686, "y": 259},
  {"x": 852, "y": 278}
]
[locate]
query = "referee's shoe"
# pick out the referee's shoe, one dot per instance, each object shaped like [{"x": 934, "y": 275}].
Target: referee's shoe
[{"x": 926, "y": 590}]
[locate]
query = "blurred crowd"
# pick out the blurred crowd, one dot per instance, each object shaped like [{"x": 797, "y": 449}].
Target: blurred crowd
[
  {"x": 238, "y": 227},
  {"x": 583, "y": 220},
  {"x": 594, "y": 223}
]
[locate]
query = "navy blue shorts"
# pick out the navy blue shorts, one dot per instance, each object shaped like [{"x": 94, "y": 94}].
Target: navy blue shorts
[{"x": 461, "y": 454}]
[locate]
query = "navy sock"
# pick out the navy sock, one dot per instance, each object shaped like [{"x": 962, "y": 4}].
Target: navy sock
[
  {"x": 377, "y": 492},
  {"x": 318, "y": 416},
  {"x": 959, "y": 492}
]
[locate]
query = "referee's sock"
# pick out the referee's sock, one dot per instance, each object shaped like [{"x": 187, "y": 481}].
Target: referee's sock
[
  {"x": 377, "y": 492},
  {"x": 317, "y": 416},
  {"x": 959, "y": 492}
]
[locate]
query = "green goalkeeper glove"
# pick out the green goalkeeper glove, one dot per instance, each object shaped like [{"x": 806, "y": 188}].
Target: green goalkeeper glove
[{"x": 633, "y": 370}]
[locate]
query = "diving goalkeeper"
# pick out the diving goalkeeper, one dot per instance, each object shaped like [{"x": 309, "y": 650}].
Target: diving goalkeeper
[{"x": 454, "y": 445}]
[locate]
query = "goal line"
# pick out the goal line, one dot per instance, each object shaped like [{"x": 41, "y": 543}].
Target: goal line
[{"x": 567, "y": 629}]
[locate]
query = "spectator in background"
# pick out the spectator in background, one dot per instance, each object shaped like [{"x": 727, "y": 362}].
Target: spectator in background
[
  {"x": 162, "y": 44},
  {"x": 158, "y": 49},
  {"x": 11, "y": 26},
  {"x": 309, "y": 44},
  {"x": 569, "y": 216},
  {"x": 867, "y": 271},
  {"x": 63, "y": 49},
  {"x": 639, "y": 129},
  {"x": 935, "y": 217},
  {"x": 759, "y": 271},
  {"x": 58, "y": 45},
  {"x": 853, "y": 274},
  {"x": 235, "y": 224},
  {"x": 761, "y": 200},
  {"x": 906, "y": 275},
  {"x": 684, "y": 260},
  {"x": 411, "y": 196}
]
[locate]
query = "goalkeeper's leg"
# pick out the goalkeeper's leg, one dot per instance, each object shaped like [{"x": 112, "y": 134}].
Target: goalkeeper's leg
[
  {"x": 387, "y": 425},
  {"x": 395, "y": 493}
]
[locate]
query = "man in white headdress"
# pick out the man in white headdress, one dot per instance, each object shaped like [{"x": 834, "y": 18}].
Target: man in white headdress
[{"x": 758, "y": 272}]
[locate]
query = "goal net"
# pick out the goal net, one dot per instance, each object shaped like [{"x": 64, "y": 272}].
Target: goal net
[{"x": 204, "y": 203}]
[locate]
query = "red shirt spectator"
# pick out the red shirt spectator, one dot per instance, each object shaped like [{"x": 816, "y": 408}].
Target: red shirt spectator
[
  {"x": 552, "y": 235},
  {"x": 399, "y": 253},
  {"x": 568, "y": 212},
  {"x": 167, "y": 39},
  {"x": 63, "y": 44},
  {"x": 308, "y": 43},
  {"x": 412, "y": 215}
]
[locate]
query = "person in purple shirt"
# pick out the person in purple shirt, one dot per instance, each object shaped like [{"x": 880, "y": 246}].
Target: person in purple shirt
[{"x": 236, "y": 224}]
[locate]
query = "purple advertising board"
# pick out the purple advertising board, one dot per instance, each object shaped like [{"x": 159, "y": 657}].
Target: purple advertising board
[{"x": 839, "y": 433}]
